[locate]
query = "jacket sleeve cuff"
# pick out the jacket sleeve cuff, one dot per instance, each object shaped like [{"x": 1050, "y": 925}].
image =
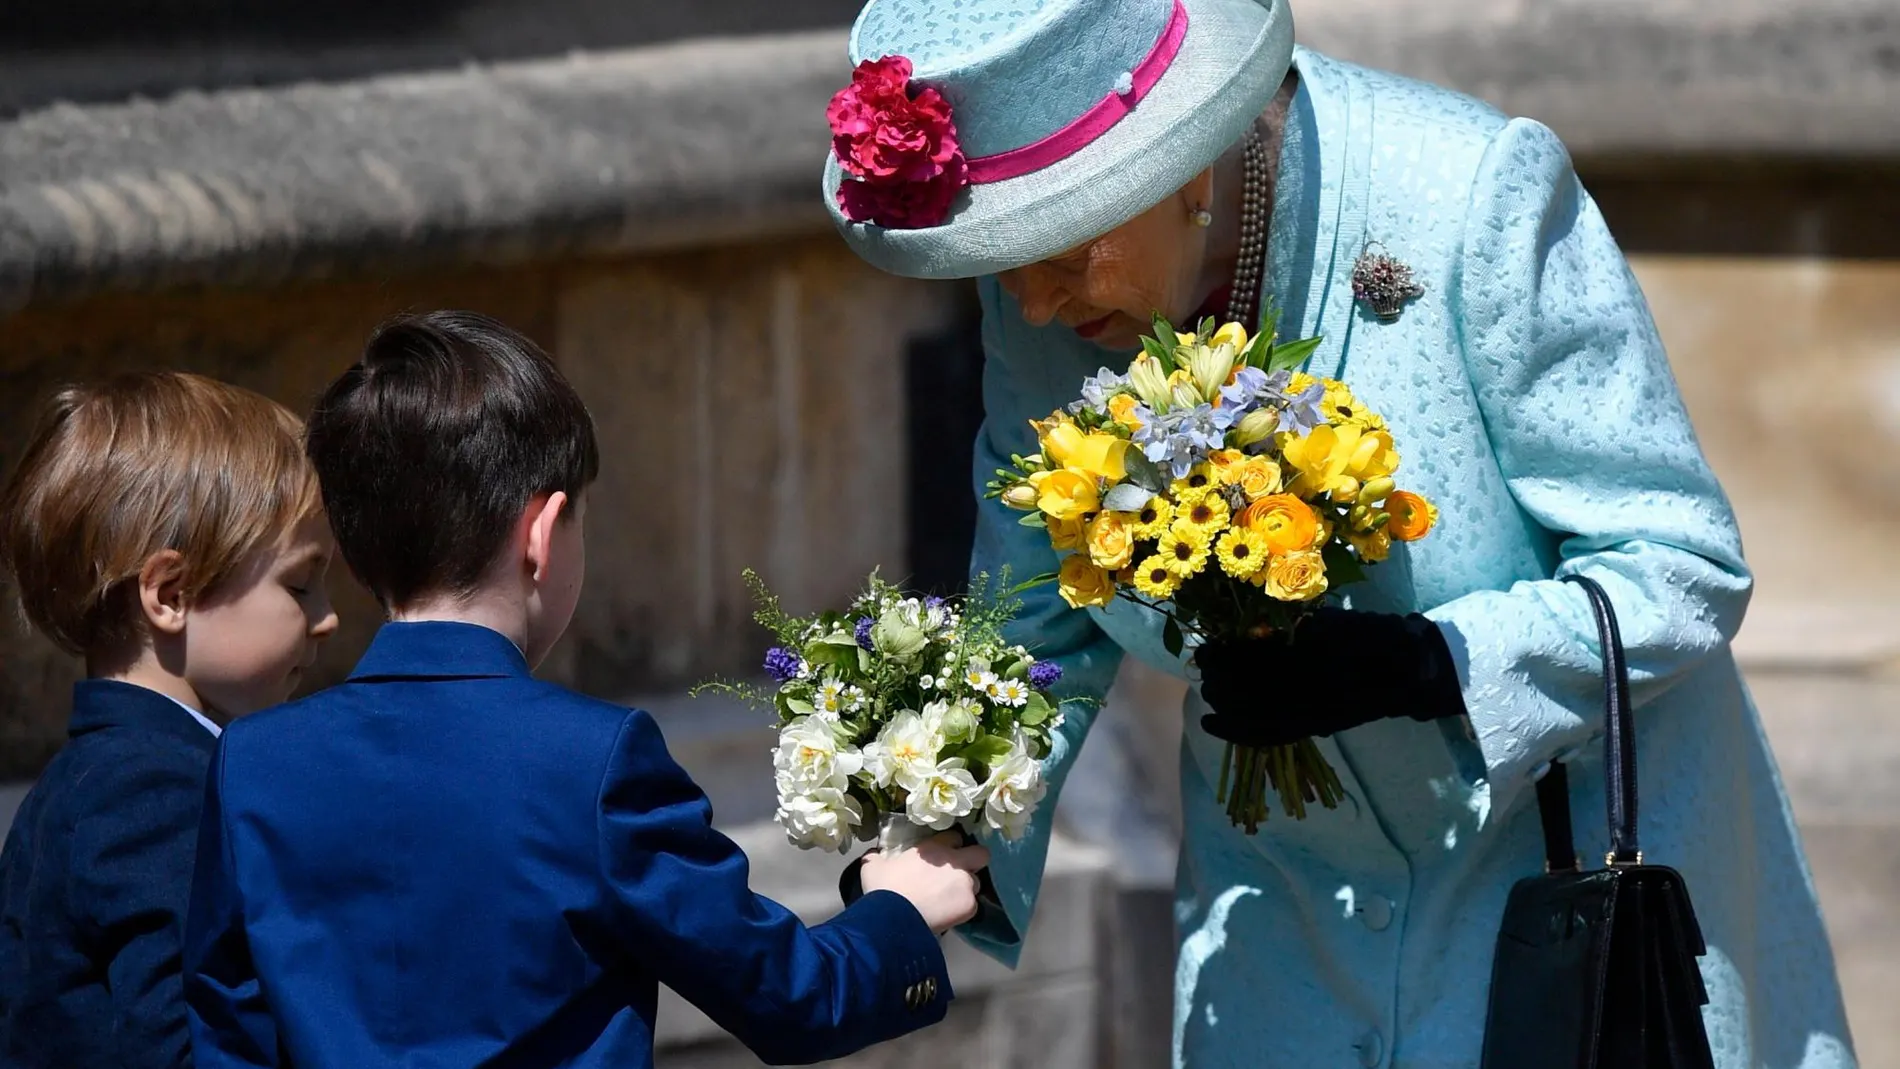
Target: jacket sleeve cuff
[{"x": 916, "y": 975}]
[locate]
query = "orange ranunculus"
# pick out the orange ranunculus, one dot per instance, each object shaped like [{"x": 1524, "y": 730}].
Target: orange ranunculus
[
  {"x": 1412, "y": 516},
  {"x": 1286, "y": 522}
]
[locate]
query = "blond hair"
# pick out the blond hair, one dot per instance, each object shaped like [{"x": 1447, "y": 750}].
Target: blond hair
[{"x": 145, "y": 462}]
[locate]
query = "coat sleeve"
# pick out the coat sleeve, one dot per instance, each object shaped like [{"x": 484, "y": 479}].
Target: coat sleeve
[
  {"x": 231, "y": 1023},
  {"x": 1591, "y": 436},
  {"x": 1027, "y": 375},
  {"x": 131, "y": 876},
  {"x": 678, "y": 900}
]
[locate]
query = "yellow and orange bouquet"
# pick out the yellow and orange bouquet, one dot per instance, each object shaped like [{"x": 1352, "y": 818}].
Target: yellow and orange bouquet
[{"x": 1228, "y": 491}]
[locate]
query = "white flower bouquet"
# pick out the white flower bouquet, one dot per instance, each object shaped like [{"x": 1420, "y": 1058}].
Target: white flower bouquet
[{"x": 904, "y": 717}]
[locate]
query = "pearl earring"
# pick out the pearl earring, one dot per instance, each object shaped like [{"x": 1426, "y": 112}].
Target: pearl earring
[{"x": 1202, "y": 218}]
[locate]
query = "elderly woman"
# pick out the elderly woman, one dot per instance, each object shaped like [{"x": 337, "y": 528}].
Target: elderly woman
[{"x": 1091, "y": 162}]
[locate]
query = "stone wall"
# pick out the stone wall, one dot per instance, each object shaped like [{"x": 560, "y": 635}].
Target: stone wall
[{"x": 750, "y": 405}]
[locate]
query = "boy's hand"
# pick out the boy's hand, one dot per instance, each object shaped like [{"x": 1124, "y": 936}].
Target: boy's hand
[{"x": 938, "y": 877}]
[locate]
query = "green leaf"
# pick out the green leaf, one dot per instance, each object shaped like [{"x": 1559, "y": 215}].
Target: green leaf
[
  {"x": 1342, "y": 567},
  {"x": 1032, "y": 583},
  {"x": 1290, "y": 356},
  {"x": 1036, "y": 711},
  {"x": 1258, "y": 351},
  {"x": 799, "y": 706},
  {"x": 1127, "y": 497},
  {"x": 1159, "y": 352},
  {"x": 1033, "y": 519},
  {"x": 987, "y": 750},
  {"x": 1270, "y": 317},
  {"x": 1206, "y": 327},
  {"x": 1164, "y": 331},
  {"x": 1171, "y": 637},
  {"x": 1143, "y": 472}
]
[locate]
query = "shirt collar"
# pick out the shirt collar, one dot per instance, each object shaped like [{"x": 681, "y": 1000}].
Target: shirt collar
[
  {"x": 209, "y": 724},
  {"x": 439, "y": 650}
]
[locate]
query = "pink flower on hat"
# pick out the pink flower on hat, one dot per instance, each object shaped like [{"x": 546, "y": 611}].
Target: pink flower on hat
[{"x": 902, "y": 150}]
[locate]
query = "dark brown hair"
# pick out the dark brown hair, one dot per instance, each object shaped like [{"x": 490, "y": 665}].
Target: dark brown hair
[
  {"x": 145, "y": 462},
  {"x": 431, "y": 445}
]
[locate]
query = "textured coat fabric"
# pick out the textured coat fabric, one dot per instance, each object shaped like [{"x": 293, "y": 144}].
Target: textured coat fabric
[
  {"x": 445, "y": 862},
  {"x": 1531, "y": 399},
  {"x": 93, "y": 886}
]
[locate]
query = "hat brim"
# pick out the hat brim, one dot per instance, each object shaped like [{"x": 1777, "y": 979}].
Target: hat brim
[{"x": 1231, "y": 63}]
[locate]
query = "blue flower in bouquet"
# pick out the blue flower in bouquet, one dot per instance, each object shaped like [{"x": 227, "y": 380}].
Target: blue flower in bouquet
[
  {"x": 1303, "y": 412},
  {"x": 1180, "y": 439},
  {"x": 1097, "y": 389},
  {"x": 783, "y": 665},
  {"x": 1253, "y": 387},
  {"x": 1044, "y": 674},
  {"x": 863, "y": 632}
]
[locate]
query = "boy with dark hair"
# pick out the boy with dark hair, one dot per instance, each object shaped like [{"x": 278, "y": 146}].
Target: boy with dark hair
[{"x": 444, "y": 861}]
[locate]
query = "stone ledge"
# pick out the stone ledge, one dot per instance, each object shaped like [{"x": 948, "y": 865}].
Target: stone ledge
[{"x": 651, "y": 148}]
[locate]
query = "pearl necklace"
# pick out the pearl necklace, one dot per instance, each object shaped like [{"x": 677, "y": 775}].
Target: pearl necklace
[{"x": 1243, "y": 303}]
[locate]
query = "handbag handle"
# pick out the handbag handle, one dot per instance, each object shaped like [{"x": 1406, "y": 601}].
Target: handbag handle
[{"x": 1619, "y": 757}]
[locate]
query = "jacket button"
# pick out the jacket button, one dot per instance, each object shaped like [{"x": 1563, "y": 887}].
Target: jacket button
[
  {"x": 1376, "y": 912},
  {"x": 1371, "y": 1047},
  {"x": 930, "y": 989}
]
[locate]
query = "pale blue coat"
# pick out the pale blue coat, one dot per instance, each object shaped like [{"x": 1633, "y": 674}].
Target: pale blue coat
[{"x": 1531, "y": 399}]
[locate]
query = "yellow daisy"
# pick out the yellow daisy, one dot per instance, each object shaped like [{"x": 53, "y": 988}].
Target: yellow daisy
[
  {"x": 1194, "y": 485},
  {"x": 1209, "y": 514},
  {"x": 1153, "y": 518},
  {"x": 1154, "y": 580},
  {"x": 1242, "y": 552},
  {"x": 1183, "y": 547}
]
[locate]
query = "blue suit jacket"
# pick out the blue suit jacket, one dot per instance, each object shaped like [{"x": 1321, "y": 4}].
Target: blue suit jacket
[
  {"x": 445, "y": 862},
  {"x": 93, "y": 884}
]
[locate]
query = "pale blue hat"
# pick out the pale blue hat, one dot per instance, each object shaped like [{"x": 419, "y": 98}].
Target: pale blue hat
[{"x": 1075, "y": 115}]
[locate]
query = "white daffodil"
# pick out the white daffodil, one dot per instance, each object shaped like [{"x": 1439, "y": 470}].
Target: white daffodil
[
  {"x": 905, "y": 751},
  {"x": 821, "y": 818},
  {"x": 1013, "y": 790},
  {"x": 809, "y": 756},
  {"x": 942, "y": 795}
]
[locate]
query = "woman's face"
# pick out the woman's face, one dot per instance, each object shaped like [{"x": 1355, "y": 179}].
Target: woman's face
[{"x": 1109, "y": 288}]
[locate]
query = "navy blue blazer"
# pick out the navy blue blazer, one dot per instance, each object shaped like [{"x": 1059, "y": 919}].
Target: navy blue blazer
[
  {"x": 93, "y": 883},
  {"x": 446, "y": 862}
]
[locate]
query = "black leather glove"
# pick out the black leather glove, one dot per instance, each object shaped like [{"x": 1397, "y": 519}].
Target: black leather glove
[
  {"x": 1338, "y": 669},
  {"x": 851, "y": 880}
]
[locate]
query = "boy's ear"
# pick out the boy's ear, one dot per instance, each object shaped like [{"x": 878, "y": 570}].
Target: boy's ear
[
  {"x": 162, "y": 592},
  {"x": 542, "y": 515}
]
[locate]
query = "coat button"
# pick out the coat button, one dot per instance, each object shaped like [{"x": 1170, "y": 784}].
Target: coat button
[
  {"x": 1375, "y": 912},
  {"x": 1371, "y": 1047},
  {"x": 930, "y": 989}
]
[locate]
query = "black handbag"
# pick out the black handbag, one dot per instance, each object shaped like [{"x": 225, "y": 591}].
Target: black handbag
[{"x": 1597, "y": 970}]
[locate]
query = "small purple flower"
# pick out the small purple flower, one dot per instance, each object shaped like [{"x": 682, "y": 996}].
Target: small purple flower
[
  {"x": 1044, "y": 674},
  {"x": 863, "y": 632},
  {"x": 932, "y": 602},
  {"x": 782, "y": 664}
]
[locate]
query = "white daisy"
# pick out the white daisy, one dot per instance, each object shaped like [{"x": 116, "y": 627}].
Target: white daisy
[{"x": 1013, "y": 692}]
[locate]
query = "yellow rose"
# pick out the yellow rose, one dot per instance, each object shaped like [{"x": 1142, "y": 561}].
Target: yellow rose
[
  {"x": 1296, "y": 576},
  {"x": 1286, "y": 523},
  {"x": 1226, "y": 465},
  {"x": 1110, "y": 540},
  {"x": 1094, "y": 454},
  {"x": 1121, "y": 408},
  {"x": 1065, "y": 534},
  {"x": 1413, "y": 517},
  {"x": 1083, "y": 584},
  {"x": 1258, "y": 477},
  {"x": 1373, "y": 546},
  {"x": 1066, "y": 495}
]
